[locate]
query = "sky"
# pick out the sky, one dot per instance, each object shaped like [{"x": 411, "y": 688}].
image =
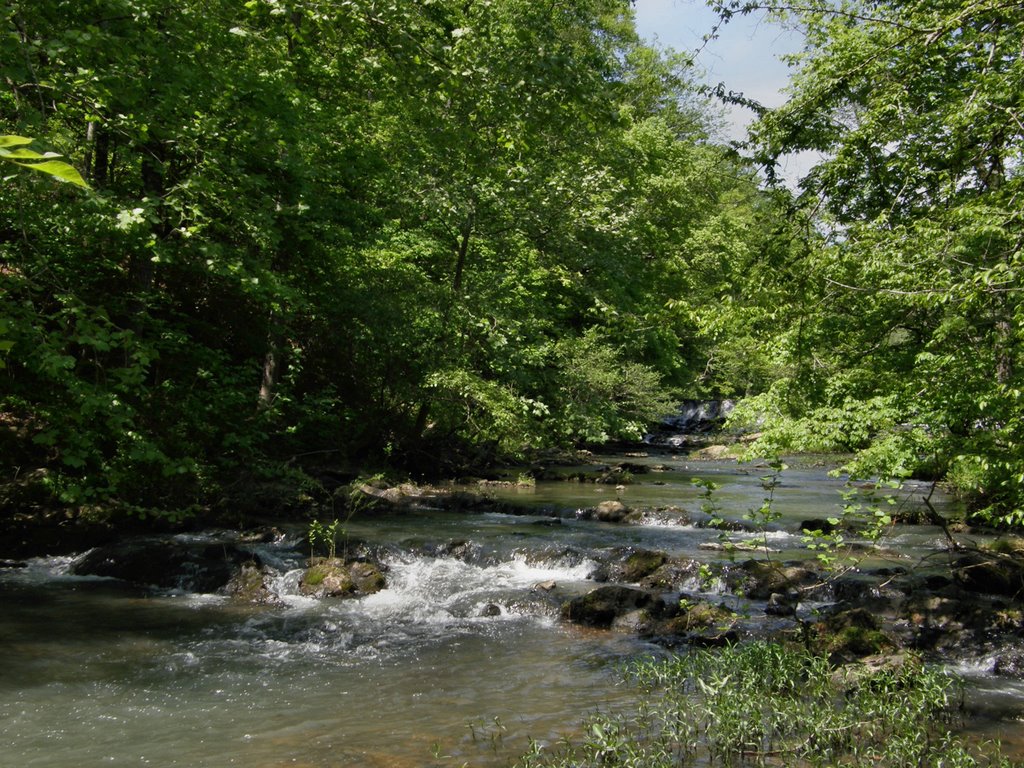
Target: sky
[{"x": 744, "y": 57}]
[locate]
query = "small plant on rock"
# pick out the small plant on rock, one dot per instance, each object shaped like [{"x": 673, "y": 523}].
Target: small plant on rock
[{"x": 325, "y": 535}]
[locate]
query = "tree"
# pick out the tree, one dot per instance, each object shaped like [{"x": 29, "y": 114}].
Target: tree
[
  {"x": 909, "y": 343},
  {"x": 426, "y": 234}
]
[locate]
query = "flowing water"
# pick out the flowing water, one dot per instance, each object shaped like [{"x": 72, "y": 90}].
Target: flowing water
[{"x": 460, "y": 660}]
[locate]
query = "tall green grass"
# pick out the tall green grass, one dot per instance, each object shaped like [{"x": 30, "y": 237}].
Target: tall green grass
[{"x": 762, "y": 704}]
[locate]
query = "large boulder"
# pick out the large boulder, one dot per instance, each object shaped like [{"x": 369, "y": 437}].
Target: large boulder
[
  {"x": 1009, "y": 663},
  {"x": 602, "y": 606}
]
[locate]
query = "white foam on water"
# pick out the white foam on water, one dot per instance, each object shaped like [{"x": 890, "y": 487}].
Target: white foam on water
[
  {"x": 438, "y": 590},
  {"x": 41, "y": 570}
]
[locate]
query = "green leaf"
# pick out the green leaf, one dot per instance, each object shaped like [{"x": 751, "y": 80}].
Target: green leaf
[
  {"x": 14, "y": 141},
  {"x": 59, "y": 170}
]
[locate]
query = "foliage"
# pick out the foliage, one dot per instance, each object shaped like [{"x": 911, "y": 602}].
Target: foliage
[
  {"x": 325, "y": 535},
  {"x": 14, "y": 151},
  {"x": 904, "y": 342},
  {"x": 425, "y": 235},
  {"x": 762, "y": 703}
]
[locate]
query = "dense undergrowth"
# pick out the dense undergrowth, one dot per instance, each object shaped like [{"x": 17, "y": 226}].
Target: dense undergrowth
[{"x": 762, "y": 704}]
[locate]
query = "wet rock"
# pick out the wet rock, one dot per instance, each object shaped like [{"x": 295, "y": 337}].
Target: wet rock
[
  {"x": 869, "y": 590},
  {"x": 165, "y": 563},
  {"x": 641, "y": 563},
  {"x": 600, "y": 607},
  {"x": 782, "y": 604},
  {"x": 696, "y": 623},
  {"x": 261, "y": 536},
  {"x": 1009, "y": 664},
  {"x": 637, "y": 622},
  {"x": 333, "y": 577},
  {"x": 850, "y": 634},
  {"x": 760, "y": 579},
  {"x": 251, "y": 585},
  {"x": 545, "y": 586},
  {"x": 367, "y": 578},
  {"x": 633, "y": 468},
  {"x": 490, "y": 610},
  {"x": 459, "y": 549},
  {"x": 819, "y": 525},
  {"x": 611, "y": 511},
  {"x": 990, "y": 573},
  {"x": 616, "y": 476},
  {"x": 13, "y": 564},
  {"x": 736, "y": 526},
  {"x": 379, "y": 496}
]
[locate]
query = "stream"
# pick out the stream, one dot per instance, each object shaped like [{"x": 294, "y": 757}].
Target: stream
[{"x": 461, "y": 659}]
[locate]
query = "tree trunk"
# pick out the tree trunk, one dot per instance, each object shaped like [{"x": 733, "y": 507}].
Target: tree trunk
[{"x": 273, "y": 366}]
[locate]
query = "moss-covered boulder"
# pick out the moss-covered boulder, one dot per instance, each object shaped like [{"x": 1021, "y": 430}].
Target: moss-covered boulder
[
  {"x": 251, "y": 585},
  {"x": 640, "y": 563},
  {"x": 695, "y": 622},
  {"x": 334, "y": 577},
  {"x": 851, "y": 634}
]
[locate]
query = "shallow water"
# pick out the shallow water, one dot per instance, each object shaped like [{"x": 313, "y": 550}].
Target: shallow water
[{"x": 459, "y": 660}]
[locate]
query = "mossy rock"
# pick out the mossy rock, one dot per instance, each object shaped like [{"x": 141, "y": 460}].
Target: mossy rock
[
  {"x": 333, "y": 577},
  {"x": 602, "y": 606},
  {"x": 249, "y": 585},
  {"x": 699, "y": 624},
  {"x": 760, "y": 579},
  {"x": 367, "y": 578},
  {"x": 852, "y": 634},
  {"x": 642, "y": 563}
]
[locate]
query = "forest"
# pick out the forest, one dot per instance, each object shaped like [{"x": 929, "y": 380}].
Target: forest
[{"x": 311, "y": 238}]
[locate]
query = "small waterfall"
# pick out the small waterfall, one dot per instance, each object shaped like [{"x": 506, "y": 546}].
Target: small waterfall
[{"x": 693, "y": 418}]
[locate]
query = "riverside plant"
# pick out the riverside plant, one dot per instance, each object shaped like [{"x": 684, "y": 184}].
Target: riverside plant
[
  {"x": 763, "y": 704},
  {"x": 326, "y": 535}
]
